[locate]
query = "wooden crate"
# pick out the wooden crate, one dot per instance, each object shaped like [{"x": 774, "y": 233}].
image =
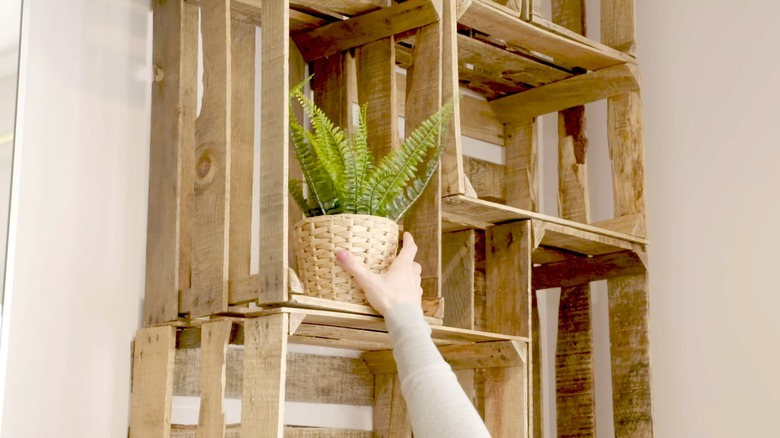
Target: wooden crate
[{"x": 200, "y": 358}]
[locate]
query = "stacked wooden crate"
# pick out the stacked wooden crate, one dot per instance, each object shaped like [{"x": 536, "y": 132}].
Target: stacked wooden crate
[{"x": 487, "y": 249}]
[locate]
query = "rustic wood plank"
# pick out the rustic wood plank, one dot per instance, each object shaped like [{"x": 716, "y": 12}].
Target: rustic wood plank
[
  {"x": 618, "y": 25},
  {"x": 171, "y": 160},
  {"x": 506, "y": 401},
  {"x": 581, "y": 270},
  {"x": 500, "y": 354},
  {"x": 348, "y": 8},
  {"x": 423, "y": 98},
  {"x": 265, "y": 372},
  {"x": 573, "y": 196},
  {"x": 211, "y": 421},
  {"x": 577, "y": 90},
  {"x": 274, "y": 153},
  {"x": 234, "y": 431},
  {"x": 152, "y": 384},
  {"x": 535, "y": 396},
  {"x": 522, "y": 164},
  {"x": 310, "y": 378},
  {"x": 503, "y": 23},
  {"x": 499, "y": 64},
  {"x": 297, "y": 74},
  {"x": 331, "y": 88},
  {"x": 242, "y": 147},
  {"x": 211, "y": 202},
  {"x": 582, "y": 242},
  {"x": 480, "y": 214},
  {"x": 632, "y": 224},
  {"x": 487, "y": 178},
  {"x": 626, "y": 150},
  {"x": 630, "y": 349},
  {"x": 343, "y": 35},
  {"x": 477, "y": 120},
  {"x": 391, "y": 419},
  {"x": 377, "y": 89},
  {"x": 452, "y": 176},
  {"x": 458, "y": 260}
]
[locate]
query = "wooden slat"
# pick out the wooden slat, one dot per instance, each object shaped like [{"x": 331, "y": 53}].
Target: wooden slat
[
  {"x": 522, "y": 168},
  {"x": 458, "y": 260},
  {"x": 479, "y": 214},
  {"x": 618, "y": 24},
  {"x": 170, "y": 161},
  {"x": 391, "y": 419},
  {"x": 487, "y": 178},
  {"x": 452, "y": 176},
  {"x": 211, "y": 203},
  {"x": 342, "y": 35},
  {"x": 152, "y": 384},
  {"x": 573, "y": 196},
  {"x": 502, "y": 23},
  {"x": 377, "y": 88},
  {"x": 242, "y": 147},
  {"x": 310, "y": 378},
  {"x": 506, "y": 401},
  {"x": 632, "y": 224},
  {"x": 265, "y": 372},
  {"x": 577, "y": 90},
  {"x": 582, "y": 242},
  {"x": 535, "y": 396},
  {"x": 626, "y": 149},
  {"x": 630, "y": 350},
  {"x": 501, "y": 64},
  {"x": 477, "y": 120},
  {"x": 332, "y": 89},
  {"x": 234, "y": 431},
  {"x": 583, "y": 270},
  {"x": 344, "y": 7},
  {"x": 501, "y": 354},
  {"x": 211, "y": 421},
  {"x": 297, "y": 74},
  {"x": 274, "y": 153},
  {"x": 423, "y": 98}
]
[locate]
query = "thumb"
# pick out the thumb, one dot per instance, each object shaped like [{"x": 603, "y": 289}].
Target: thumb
[{"x": 352, "y": 265}]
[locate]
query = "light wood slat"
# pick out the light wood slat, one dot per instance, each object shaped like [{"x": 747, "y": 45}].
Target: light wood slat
[
  {"x": 487, "y": 179},
  {"x": 522, "y": 164},
  {"x": 343, "y": 35},
  {"x": 500, "y": 354},
  {"x": 632, "y": 224},
  {"x": 618, "y": 25},
  {"x": 577, "y": 90},
  {"x": 502, "y": 23},
  {"x": 211, "y": 206},
  {"x": 535, "y": 393},
  {"x": 265, "y": 372},
  {"x": 630, "y": 350},
  {"x": 170, "y": 161},
  {"x": 423, "y": 98},
  {"x": 506, "y": 401},
  {"x": 297, "y": 74},
  {"x": 583, "y": 270},
  {"x": 543, "y": 255},
  {"x": 478, "y": 121},
  {"x": 627, "y": 153},
  {"x": 391, "y": 419},
  {"x": 234, "y": 431},
  {"x": 310, "y": 378},
  {"x": 344, "y": 7},
  {"x": 500, "y": 64},
  {"x": 458, "y": 260},
  {"x": 452, "y": 177},
  {"x": 582, "y": 242},
  {"x": 573, "y": 195},
  {"x": 250, "y": 12},
  {"x": 479, "y": 214},
  {"x": 377, "y": 90},
  {"x": 274, "y": 153},
  {"x": 211, "y": 421},
  {"x": 242, "y": 156},
  {"x": 152, "y": 384}
]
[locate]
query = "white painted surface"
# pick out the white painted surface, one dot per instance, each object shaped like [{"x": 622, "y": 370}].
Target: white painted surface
[{"x": 79, "y": 220}]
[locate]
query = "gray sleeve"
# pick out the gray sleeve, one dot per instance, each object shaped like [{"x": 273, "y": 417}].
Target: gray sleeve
[{"x": 437, "y": 405}]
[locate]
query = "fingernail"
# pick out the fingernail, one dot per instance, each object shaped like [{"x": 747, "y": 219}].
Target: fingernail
[{"x": 341, "y": 255}]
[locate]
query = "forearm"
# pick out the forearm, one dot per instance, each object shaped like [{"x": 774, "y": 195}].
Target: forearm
[{"x": 437, "y": 405}]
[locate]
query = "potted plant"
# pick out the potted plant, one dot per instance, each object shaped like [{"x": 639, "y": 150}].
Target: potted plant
[{"x": 349, "y": 200}]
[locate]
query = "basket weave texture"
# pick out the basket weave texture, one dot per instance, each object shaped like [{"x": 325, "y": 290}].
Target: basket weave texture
[{"x": 371, "y": 239}]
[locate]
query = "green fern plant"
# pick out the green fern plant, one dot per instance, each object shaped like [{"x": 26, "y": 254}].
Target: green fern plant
[{"x": 339, "y": 171}]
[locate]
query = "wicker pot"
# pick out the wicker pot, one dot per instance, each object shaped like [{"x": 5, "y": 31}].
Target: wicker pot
[{"x": 372, "y": 239}]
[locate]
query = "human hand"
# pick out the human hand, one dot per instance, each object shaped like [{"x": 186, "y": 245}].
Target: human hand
[{"x": 400, "y": 284}]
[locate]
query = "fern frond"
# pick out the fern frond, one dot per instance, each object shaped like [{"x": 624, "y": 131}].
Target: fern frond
[
  {"x": 318, "y": 182},
  {"x": 364, "y": 164},
  {"x": 295, "y": 187},
  {"x": 399, "y": 167},
  {"x": 398, "y": 206}
]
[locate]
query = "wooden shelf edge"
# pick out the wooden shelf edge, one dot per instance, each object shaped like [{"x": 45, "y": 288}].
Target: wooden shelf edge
[{"x": 468, "y": 212}]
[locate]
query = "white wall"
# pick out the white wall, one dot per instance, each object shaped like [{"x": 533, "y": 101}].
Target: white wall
[
  {"x": 711, "y": 92},
  {"x": 78, "y": 230}
]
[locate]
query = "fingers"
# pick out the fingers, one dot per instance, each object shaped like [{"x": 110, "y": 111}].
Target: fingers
[
  {"x": 409, "y": 250},
  {"x": 352, "y": 265},
  {"x": 417, "y": 268}
]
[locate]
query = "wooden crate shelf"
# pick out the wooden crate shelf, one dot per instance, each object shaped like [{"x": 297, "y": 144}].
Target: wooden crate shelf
[{"x": 234, "y": 431}]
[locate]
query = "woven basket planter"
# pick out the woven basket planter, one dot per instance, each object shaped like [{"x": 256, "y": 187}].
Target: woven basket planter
[{"x": 371, "y": 239}]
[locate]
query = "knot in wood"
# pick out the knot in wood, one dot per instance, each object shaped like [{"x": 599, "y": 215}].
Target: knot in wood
[{"x": 203, "y": 167}]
